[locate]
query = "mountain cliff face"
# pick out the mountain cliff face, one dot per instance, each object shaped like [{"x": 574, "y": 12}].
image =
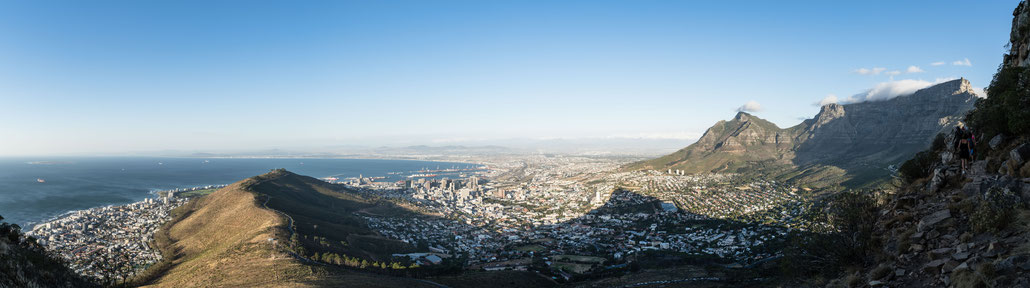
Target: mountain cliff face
[
  {"x": 883, "y": 132},
  {"x": 858, "y": 138},
  {"x": 1019, "y": 38}
]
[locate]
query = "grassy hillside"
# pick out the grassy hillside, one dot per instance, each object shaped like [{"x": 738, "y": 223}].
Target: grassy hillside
[
  {"x": 229, "y": 239},
  {"x": 325, "y": 216}
]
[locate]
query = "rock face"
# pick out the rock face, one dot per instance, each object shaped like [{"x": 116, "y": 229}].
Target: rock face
[
  {"x": 1019, "y": 38},
  {"x": 882, "y": 132},
  {"x": 853, "y": 137}
]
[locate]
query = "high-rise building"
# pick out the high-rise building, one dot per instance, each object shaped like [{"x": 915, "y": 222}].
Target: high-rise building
[{"x": 597, "y": 198}]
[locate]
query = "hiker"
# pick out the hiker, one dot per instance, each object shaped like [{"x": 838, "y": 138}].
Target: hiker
[{"x": 963, "y": 144}]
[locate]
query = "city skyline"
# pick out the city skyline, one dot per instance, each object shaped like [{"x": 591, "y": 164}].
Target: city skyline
[{"x": 127, "y": 77}]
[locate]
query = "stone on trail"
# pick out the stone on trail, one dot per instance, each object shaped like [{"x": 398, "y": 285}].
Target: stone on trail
[{"x": 933, "y": 219}]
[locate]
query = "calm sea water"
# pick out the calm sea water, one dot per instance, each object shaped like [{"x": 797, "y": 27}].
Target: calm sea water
[{"x": 81, "y": 183}]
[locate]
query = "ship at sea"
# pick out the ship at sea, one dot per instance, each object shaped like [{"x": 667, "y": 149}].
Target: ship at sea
[
  {"x": 421, "y": 175},
  {"x": 40, "y": 180}
]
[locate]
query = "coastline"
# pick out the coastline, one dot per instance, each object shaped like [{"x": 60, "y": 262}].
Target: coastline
[
  {"x": 75, "y": 183},
  {"x": 84, "y": 237}
]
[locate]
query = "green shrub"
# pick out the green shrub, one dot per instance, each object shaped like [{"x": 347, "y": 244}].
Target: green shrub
[
  {"x": 880, "y": 272},
  {"x": 995, "y": 210},
  {"x": 919, "y": 166},
  {"x": 1004, "y": 109}
]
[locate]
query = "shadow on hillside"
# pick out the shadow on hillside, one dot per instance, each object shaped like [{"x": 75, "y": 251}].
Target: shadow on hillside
[{"x": 629, "y": 232}]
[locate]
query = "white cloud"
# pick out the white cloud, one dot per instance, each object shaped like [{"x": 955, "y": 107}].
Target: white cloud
[
  {"x": 891, "y": 89},
  {"x": 829, "y": 99},
  {"x": 939, "y": 63},
  {"x": 750, "y": 106},
  {"x": 980, "y": 92},
  {"x": 874, "y": 71},
  {"x": 914, "y": 69},
  {"x": 963, "y": 62},
  {"x": 892, "y": 73}
]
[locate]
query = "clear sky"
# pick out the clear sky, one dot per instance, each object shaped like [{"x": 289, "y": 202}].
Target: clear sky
[{"x": 83, "y": 77}]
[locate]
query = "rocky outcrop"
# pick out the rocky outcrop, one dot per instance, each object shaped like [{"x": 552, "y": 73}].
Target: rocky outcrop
[
  {"x": 951, "y": 237},
  {"x": 1019, "y": 38}
]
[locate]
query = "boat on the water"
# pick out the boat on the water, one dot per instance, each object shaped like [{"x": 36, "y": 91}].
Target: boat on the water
[
  {"x": 40, "y": 180},
  {"x": 421, "y": 175}
]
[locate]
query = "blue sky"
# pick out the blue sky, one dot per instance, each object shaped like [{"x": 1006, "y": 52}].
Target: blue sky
[{"x": 103, "y": 77}]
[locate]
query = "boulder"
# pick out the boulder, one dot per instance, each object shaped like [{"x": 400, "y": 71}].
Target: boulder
[
  {"x": 939, "y": 252},
  {"x": 996, "y": 141},
  {"x": 1004, "y": 169},
  {"x": 1019, "y": 155},
  {"x": 960, "y": 256},
  {"x": 899, "y": 272},
  {"x": 932, "y": 219},
  {"x": 972, "y": 188},
  {"x": 915, "y": 247},
  {"x": 933, "y": 234},
  {"x": 935, "y": 182},
  {"x": 934, "y": 265},
  {"x": 978, "y": 168},
  {"x": 946, "y": 157}
]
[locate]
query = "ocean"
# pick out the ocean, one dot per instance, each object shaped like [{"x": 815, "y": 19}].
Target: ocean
[{"x": 76, "y": 183}]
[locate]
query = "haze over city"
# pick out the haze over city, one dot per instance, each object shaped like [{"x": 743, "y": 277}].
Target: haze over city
[{"x": 132, "y": 77}]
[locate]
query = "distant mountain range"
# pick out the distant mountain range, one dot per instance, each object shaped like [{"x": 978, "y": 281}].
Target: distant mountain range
[
  {"x": 616, "y": 146},
  {"x": 852, "y": 144}
]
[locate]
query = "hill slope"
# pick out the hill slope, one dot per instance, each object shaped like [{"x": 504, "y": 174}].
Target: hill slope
[
  {"x": 24, "y": 263},
  {"x": 853, "y": 140},
  {"x": 229, "y": 238}
]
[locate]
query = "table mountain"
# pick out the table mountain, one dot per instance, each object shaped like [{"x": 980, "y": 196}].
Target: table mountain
[{"x": 855, "y": 141}]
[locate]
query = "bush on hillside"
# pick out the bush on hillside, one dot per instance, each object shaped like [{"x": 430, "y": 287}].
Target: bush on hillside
[
  {"x": 995, "y": 210},
  {"x": 920, "y": 166},
  {"x": 26, "y": 263},
  {"x": 850, "y": 216},
  {"x": 1005, "y": 108}
]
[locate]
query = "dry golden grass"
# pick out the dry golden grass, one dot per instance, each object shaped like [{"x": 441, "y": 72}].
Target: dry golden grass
[{"x": 224, "y": 242}]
